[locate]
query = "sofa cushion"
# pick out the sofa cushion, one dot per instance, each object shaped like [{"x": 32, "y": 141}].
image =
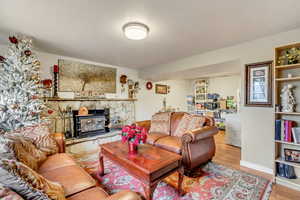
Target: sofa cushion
[
  {"x": 40, "y": 136},
  {"x": 73, "y": 178},
  {"x": 160, "y": 123},
  {"x": 189, "y": 122},
  {"x": 56, "y": 161},
  {"x": 153, "y": 137},
  {"x": 27, "y": 183},
  {"x": 26, "y": 152},
  {"x": 95, "y": 193},
  {"x": 175, "y": 119},
  {"x": 171, "y": 143}
]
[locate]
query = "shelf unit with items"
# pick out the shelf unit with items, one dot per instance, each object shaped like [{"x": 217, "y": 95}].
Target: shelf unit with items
[
  {"x": 287, "y": 135},
  {"x": 201, "y": 92}
]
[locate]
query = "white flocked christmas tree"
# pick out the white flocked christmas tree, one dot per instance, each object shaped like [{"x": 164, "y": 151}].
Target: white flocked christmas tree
[{"x": 19, "y": 85}]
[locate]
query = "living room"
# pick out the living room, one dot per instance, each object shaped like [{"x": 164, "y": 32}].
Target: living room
[{"x": 149, "y": 100}]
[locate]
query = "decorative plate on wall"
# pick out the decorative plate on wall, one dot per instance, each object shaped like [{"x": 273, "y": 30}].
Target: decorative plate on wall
[{"x": 149, "y": 85}]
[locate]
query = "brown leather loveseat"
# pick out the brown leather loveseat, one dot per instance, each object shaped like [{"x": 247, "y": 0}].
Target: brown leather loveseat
[
  {"x": 77, "y": 183},
  {"x": 185, "y": 134}
]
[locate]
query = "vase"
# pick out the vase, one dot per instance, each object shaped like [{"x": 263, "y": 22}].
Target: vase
[{"x": 132, "y": 148}]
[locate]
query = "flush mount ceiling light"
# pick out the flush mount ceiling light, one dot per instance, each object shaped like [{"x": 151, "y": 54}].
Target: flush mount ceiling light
[{"x": 136, "y": 30}]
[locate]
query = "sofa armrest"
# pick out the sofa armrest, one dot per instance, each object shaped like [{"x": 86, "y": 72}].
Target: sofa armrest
[
  {"x": 199, "y": 134},
  {"x": 60, "y": 140},
  {"x": 124, "y": 195},
  {"x": 145, "y": 124}
]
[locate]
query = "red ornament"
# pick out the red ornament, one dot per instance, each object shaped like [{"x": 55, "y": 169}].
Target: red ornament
[
  {"x": 55, "y": 69},
  {"x": 13, "y": 40},
  {"x": 27, "y": 52},
  {"x": 47, "y": 83},
  {"x": 2, "y": 59},
  {"x": 50, "y": 112},
  {"x": 149, "y": 85},
  {"x": 34, "y": 97}
]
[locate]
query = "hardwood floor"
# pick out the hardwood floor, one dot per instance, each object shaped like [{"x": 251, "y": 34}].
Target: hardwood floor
[{"x": 230, "y": 156}]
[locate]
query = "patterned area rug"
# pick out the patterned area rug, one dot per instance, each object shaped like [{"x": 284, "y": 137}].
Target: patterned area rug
[{"x": 218, "y": 183}]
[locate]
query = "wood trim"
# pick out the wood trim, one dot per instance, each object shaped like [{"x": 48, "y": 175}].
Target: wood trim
[
  {"x": 85, "y": 99},
  {"x": 270, "y": 84}
]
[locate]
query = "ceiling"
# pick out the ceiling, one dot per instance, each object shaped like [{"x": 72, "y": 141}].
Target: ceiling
[{"x": 91, "y": 29}]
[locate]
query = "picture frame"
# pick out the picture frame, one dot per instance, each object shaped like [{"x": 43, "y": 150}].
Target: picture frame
[
  {"x": 161, "y": 89},
  {"x": 259, "y": 84},
  {"x": 292, "y": 155}
]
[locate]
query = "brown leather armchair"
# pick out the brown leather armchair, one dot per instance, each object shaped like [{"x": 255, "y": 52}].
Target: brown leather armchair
[{"x": 196, "y": 146}]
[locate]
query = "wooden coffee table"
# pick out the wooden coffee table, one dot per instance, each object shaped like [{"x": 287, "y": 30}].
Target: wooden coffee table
[{"x": 150, "y": 165}]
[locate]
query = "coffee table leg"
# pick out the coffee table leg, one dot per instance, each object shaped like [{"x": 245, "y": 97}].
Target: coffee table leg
[
  {"x": 149, "y": 191},
  {"x": 180, "y": 180},
  {"x": 101, "y": 165}
]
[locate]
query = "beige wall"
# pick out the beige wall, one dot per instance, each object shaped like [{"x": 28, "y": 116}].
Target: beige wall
[
  {"x": 225, "y": 86},
  {"x": 148, "y": 102},
  {"x": 257, "y": 123}
]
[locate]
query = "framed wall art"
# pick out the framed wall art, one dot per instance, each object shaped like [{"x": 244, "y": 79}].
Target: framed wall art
[
  {"x": 161, "y": 89},
  {"x": 258, "y": 84},
  {"x": 75, "y": 76}
]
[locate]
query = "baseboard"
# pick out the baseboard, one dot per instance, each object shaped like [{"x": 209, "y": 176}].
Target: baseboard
[{"x": 256, "y": 167}]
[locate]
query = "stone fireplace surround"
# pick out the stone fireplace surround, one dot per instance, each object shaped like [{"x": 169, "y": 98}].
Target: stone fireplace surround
[{"x": 122, "y": 112}]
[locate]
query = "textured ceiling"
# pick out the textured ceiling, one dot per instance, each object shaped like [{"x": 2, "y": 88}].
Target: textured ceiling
[{"x": 91, "y": 29}]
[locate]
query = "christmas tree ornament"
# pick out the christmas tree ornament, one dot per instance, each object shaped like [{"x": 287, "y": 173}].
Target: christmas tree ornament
[
  {"x": 3, "y": 108},
  {"x": 17, "y": 107},
  {"x": 13, "y": 40},
  {"x": 27, "y": 52},
  {"x": 2, "y": 59},
  {"x": 14, "y": 106}
]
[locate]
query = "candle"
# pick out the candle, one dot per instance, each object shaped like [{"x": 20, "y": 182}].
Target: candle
[{"x": 55, "y": 69}]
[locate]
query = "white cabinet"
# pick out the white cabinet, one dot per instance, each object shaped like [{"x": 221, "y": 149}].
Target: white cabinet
[{"x": 233, "y": 129}]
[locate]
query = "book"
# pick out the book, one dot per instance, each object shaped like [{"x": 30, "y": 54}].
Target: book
[
  {"x": 287, "y": 130},
  {"x": 286, "y": 125},
  {"x": 282, "y": 130},
  {"x": 296, "y": 134},
  {"x": 278, "y": 129}
]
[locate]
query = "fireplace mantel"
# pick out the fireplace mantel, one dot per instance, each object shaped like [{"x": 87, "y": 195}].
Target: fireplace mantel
[{"x": 86, "y": 99}]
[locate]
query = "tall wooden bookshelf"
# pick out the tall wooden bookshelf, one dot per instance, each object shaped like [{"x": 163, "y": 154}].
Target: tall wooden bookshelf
[{"x": 281, "y": 71}]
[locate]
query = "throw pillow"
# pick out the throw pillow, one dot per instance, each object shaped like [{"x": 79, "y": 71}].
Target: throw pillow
[
  {"x": 197, "y": 121},
  {"x": 189, "y": 122},
  {"x": 40, "y": 137},
  {"x": 6, "y": 151},
  {"x": 26, "y": 152},
  {"x": 160, "y": 123},
  {"x": 27, "y": 183},
  {"x": 8, "y": 194}
]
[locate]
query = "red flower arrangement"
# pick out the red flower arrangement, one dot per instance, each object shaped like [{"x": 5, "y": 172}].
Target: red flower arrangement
[{"x": 134, "y": 134}]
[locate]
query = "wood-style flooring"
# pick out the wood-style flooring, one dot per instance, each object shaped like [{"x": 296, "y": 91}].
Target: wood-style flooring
[{"x": 230, "y": 156}]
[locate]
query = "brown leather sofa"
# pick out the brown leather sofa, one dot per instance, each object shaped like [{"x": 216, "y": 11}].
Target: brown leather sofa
[
  {"x": 77, "y": 183},
  {"x": 196, "y": 146}
]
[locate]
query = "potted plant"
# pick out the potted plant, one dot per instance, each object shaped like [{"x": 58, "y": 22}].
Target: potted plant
[{"x": 134, "y": 135}]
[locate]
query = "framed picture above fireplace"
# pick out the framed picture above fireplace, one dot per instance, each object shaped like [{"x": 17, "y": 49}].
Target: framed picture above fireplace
[{"x": 82, "y": 77}]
